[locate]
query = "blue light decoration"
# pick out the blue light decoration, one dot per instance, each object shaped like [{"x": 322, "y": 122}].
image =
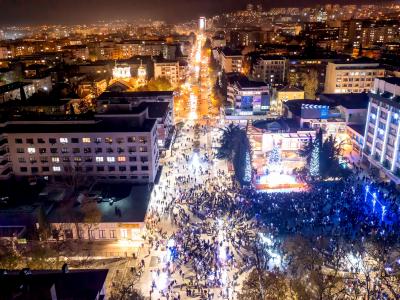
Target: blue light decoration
[
  {"x": 383, "y": 212},
  {"x": 375, "y": 201}
]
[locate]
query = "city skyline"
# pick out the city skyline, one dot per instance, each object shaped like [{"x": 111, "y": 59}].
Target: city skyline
[{"x": 71, "y": 12}]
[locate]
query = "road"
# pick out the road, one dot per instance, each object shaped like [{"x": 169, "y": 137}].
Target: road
[{"x": 194, "y": 99}]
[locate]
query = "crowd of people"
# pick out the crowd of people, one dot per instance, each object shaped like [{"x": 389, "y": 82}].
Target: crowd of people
[{"x": 208, "y": 227}]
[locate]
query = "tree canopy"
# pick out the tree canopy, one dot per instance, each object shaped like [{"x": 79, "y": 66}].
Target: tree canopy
[
  {"x": 324, "y": 155},
  {"x": 159, "y": 84},
  {"x": 235, "y": 148}
]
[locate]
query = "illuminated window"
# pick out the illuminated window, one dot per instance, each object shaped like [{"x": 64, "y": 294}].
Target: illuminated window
[
  {"x": 57, "y": 169},
  {"x": 31, "y": 150},
  {"x": 99, "y": 159},
  {"x": 124, "y": 233},
  {"x": 63, "y": 140},
  {"x": 108, "y": 140},
  {"x": 110, "y": 159},
  {"x": 121, "y": 158},
  {"x": 55, "y": 159},
  {"x": 86, "y": 140}
]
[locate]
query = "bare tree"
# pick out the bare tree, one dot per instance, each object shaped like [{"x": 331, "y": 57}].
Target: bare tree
[{"x": 91, "y": 216}]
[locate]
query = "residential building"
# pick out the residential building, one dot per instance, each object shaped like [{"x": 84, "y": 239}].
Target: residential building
[
  {"x": 41, "y": 82},
  {"x": 160, "y": 106},
  {"x": 382, "y": 130},
  {"x": 218, "y": 42},
  {"x": 92, "y": 86},
  {"x": 168, "y": 70},
  {"x": 107, "y": 147},
  {"x": 270, "y": 69},
  {"x": 5, "y": 163},
  {"x": 299, "y": 64},
  {"x": 351, "y": 77},
  {"x": 78, "y": 51},
  {"x": 231, "y": 60},
  {"x": 355, "y": 33},
  {"x": 246, "y": 37},
  {"x": 16, "y": 91},
  {"x": 5, "y": 53}
]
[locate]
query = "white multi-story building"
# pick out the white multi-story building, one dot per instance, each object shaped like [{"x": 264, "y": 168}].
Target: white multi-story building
[
  {"x": 108, "y": 147},
  {"x": 231, "y": 60},
  {"x": 160, "y": 106},
  {"x": 382, "y": 130},
  {"x": 168, "y": 70},
  {"x": 351, "y": 77},
  {"x": 270, "y": 69}
]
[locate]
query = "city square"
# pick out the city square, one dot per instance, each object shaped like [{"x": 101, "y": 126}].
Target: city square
[{"x": 236, "y": 152}]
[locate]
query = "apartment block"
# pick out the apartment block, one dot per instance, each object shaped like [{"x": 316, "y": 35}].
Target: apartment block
[
  {"x": 382, "y": 130},
  {"x": 106, "y": 147},
  {"x": 351, "y": 77},
  {"x": 231, "y": 60},
  {"x": 168, "y": 70},
  {"x": 270, "y": 69}
]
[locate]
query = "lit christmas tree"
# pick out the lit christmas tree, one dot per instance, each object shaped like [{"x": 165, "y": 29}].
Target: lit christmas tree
[
  {"x": 247, "y": 171},
  {"x": 314, "y": 163}
]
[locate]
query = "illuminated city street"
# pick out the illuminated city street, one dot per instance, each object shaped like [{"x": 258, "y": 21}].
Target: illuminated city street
[{"x": 206, "y": 150}]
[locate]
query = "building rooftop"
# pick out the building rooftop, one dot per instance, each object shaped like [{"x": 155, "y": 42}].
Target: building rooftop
[
  {"x": 280, "y": 125},
  {"x": 295, "y": 105},
  {"x": 231, "y": 52},
  {"x": 391, "y": 80},
  {"x": 12, "y": 86},
  {"x": 290, "y": 89},
  {"x": 134, "y": 94},
  {"x": 272, "y": 57},
  {"x": 131, "y": 200},
  {"x": 120, "y": 125},
  {"x": 358, "y": 128},
  {"x": 155, "y": 109},
  {"x": 74, "y": 284},
  {"x": 350, "y": 101},
  {"x": 244, "y": 82}
]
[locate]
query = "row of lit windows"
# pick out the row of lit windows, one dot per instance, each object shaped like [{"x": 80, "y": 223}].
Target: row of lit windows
[
  {"x": 87, "y": 169},
  {"x": 85, "y": 140},
  {"x": 109, "y": 159},
  {"x": 32, "y": 150}
]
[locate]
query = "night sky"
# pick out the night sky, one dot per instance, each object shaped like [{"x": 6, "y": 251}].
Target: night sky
[{"x": 80, "y": 11}]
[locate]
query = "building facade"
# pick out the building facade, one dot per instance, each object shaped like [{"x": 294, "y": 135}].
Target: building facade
[
  {"x": 247, "y": 98},
  {"x": 106, "y": 148},
  {"x": 382, "y": 130},
  {"x": 168, "y": 70},
  {"x": 270, "y": 69},
  {"x": 231, "y": 61},
  {"x": 350, "y": 77}
]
